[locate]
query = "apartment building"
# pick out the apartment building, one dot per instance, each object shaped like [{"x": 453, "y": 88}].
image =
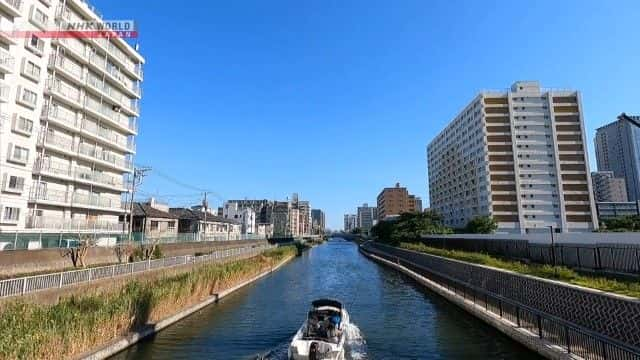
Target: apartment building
[
  {"x": 393, "y": 201},
  {"x": 366, "y": 217},
  {"x": 350, "y": 222},
  {"x": 68, "y": 120},
  {"x": 608, "y": 188},
  {"x": 618, "y": 150},
  {"x": 518, "y": 155},
  {"x": 317, "y": 222}
]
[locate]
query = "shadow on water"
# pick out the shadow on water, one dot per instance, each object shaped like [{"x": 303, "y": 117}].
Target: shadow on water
[{"x": 398, "y": 319}]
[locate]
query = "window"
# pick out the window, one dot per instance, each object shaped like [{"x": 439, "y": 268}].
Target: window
[
  {"x": 11, "y": 214},
  {"x": 39, "y": 18},
  {"x": 27, "y": 97},
  {"x": 31, "y": 70},
  {"x": 154, "y": 225},
  {"x": 35, "y": 45},
  {"x": 171, "y": 225},
  {"x": 18, "y": 154},
  {"x": 13, "y": 183},
  {"x": 23, "y": 125}
]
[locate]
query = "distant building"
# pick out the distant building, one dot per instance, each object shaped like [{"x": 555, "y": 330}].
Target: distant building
[
  {"x": 608, "y": 188},
  {"x": 365, "y": 217},
  {"x": 245, "y": 216},
  {"x": 395, "y": 201},
  {"x": 280, "y": 217},
  {"x": 618, "y": 150},
  {"x": 206, "y": 223},
  {"x": 518, "y": 155},
  {"x": 317, "y": 222},
  {"x": 154, "y": 219},
  {"x": 350, "y": 222},
  {"x": 610, "y": 210}
]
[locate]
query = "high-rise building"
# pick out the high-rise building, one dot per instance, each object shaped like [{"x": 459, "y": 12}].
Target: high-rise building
[
  {"x": 608, "y": 188},
  {"x": 393, "y": 201},
  {"x": 518, "y": 155},
  {"x": 68, "y": 120},
  {"x": 366, "y": 216},
  {"x": 317, "y": 222},
  {"x": 618, "y": 150},
  {"x": 350, "y": 222}
]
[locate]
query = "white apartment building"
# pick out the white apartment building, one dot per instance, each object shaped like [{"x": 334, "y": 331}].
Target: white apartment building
[
  {"x": 68, "y": 116},
  {"x": 518, "y": 155},
  {"x": 246, "y": 216}
]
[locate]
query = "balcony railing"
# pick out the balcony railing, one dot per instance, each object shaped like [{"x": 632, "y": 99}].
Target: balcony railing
[
  {"x": 104, "y": 155},
  {"x": 6, "y": 60},
  {"x": 99, "y": 177},
  {"x": 52, "y": 167},
  {"x": 15, "y": 4},
  {"x": 56, "y": 140},
  {"x": 111, "y": 136},
  {"x": 107, "y": 111},
  {"x": 4, "y": 92},
  {"x": 60, "y": 114},
  {"x": 66, "y": 91},
  {"x": 97, "y": 201},
  {"x": 38, "y": 193},
  {"x": 67, "y": 65},
  {"x": 74, "y": 45},
  {"x": 42, "y": 222}
]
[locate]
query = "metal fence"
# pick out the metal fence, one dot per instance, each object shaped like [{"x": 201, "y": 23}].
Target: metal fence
[
  {"x": 622, "y": 258},
  {"x": 30, "y": 284},
  {"x": 573, "y": 339},
  {"x": 42, "y": 240}
]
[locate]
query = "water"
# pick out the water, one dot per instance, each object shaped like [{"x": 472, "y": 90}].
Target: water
[{"x": 393, "y": 317}]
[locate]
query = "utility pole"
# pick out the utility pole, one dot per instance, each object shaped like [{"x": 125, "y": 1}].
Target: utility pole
[
  {"x": 138, "y": 175},
  {"x": 205, "y": 206}
]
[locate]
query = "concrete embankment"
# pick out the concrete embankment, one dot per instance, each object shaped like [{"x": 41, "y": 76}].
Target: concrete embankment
[
  {"x": 15, "y": 262},
  {"x": 130, "y": 339},
  {"x": 555, "y": 319},
  {"x": 524, "y": 337}
]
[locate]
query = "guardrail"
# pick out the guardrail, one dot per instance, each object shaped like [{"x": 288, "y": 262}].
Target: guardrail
[
  {"x": 30, "y": 284},
  {"x": 584, "y": 343}
]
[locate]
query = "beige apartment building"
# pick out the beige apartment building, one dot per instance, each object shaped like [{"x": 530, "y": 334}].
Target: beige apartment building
[
  {"x": 518, "y": 155},
  {"x": 68, "y": 116}
]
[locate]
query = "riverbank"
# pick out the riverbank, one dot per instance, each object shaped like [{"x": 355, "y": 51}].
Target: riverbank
[
  {"x": 557, "y": 273},
  {"x": 77, "y": 324}
]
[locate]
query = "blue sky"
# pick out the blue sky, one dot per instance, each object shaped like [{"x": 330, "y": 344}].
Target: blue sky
[{"x": 337, "y": 99}]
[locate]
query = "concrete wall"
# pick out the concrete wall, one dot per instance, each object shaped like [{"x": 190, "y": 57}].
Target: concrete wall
[
  {"x": 15, "y": 262},
  {"x": 581, "y": 238}
]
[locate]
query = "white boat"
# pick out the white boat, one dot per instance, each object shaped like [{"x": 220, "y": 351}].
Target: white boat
[{"x": 322, "y": 335}]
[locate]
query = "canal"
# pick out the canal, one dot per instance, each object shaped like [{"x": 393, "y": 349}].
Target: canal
[{"x": 396, "y": 318}]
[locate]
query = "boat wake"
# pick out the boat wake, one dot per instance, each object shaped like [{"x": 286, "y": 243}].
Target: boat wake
[{"x": 355, "y": 346}]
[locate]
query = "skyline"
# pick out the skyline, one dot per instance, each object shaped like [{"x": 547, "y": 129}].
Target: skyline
[{"x": 331, "y": 81}]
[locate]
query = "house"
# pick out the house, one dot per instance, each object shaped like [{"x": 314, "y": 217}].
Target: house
[
  {"x": 204, "y": 222},
  {"x": 154, "y": 219}
]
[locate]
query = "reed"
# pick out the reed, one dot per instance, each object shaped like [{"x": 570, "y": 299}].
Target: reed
[{"x": 80, "y": 323}]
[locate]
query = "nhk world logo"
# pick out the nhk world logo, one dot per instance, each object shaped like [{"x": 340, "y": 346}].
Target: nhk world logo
[{"x": 83, "y": 29}]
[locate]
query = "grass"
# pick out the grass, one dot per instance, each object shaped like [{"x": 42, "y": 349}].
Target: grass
[
  {"x": 79, "y": 323},
  {"x": 559, "y": 273}
]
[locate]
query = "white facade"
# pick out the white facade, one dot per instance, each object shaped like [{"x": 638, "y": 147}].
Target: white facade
[
  {"x": 519, "y": 156},
  {"x": 68, "y": 116},
  {"x": 245, "y": 216}
]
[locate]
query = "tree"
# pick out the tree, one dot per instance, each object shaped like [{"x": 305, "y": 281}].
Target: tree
[
  {"x": 409, "y": 227},
  {"x": 481, "y": 225},
  {"x": 78, "y": 253}
]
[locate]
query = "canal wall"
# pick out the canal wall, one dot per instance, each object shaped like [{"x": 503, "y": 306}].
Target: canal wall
[
  {"x": 122, "y": 343},
  {"x": 15, "y": 262},
  {"x": 552, "y": 318}
]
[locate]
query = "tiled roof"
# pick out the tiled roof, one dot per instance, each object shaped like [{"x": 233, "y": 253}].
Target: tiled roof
[
  {"x": 145, "y": 210},
  {"x": 184, "y": 213}
]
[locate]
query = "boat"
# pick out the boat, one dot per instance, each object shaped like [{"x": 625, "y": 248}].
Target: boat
[{"x": 322, "y": 334}]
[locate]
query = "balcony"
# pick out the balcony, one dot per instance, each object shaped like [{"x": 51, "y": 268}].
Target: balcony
[
  {"x": 7, "y": 62},
  {"x": 52, "y": 168},
  {"x": 97, "y": 201},
  {"x": 64, "y": 92},
  {"x": 99, "y": 178},
  {"x": 4, "y": 92},
  {"x": 73, "y": 46},
  {"x": 13, "y": 7},
  {"x": 105, "y": 157},
  {"x": 41, "y": 194},
  {"x": 52, "y": 141},
  {"x": 108, "y": 113},
  {"x": 7, "y": 28},
  {"x": 108, "y": 137},
  {"x": 61, "y": 116},
  {"x": 65, "y": 224},
  {"x": 67, "y": 67}
]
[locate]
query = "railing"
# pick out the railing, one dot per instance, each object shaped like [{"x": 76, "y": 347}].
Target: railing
[
  {"x": 56, "y": 140},
  {"x": 67, "y": 65},
  {"x": 4, "y": 91},
  {"x": 63, "y": 89},
  {"x": 96, "y": 200},
  {"x": 573, "y": 339},
  {"x": 53, "y": 223},
  {"x": 16, "y": 4},
  {"x": 98, "y": 177},
  {"x": 31, "y": 284},
  {"x": 42, "y": 194},
  {"x": 108, "y": 113},
  {"x": 60, "y": 114},
  {"x": 106, "y": 156},
  {"x": 6, "y": 60}
]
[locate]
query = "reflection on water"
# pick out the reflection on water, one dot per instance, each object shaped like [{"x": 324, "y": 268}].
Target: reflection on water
[{"x": 393, "y": 317}]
